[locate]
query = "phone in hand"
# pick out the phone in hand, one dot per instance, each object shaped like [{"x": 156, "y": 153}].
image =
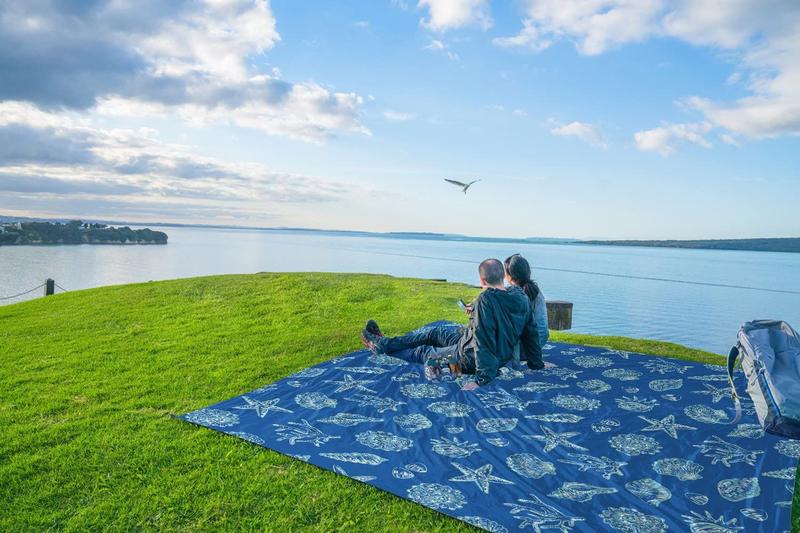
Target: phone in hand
[{"x": 461, "y": 304}]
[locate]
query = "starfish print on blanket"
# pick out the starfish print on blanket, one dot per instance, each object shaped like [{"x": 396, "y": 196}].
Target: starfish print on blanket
[
  {"x": 481, "y": 476},
  {"x": 261, "y": 407},
  {"x": 348, "y": 383},
  {"x": 553, "y": 439},
  {"x": 666, "y": 424}
]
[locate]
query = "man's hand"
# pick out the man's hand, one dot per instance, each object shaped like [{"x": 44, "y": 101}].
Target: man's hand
[
  {"x": 470, "y": 386},
  {"x": 547, "y": 365},
  {"x": 468, "y": 309}
]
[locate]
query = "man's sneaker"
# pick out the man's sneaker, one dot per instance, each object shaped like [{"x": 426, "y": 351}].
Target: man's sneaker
[
  {"x": 373, "y": 328},
  {"x": 371, "y": 336}
]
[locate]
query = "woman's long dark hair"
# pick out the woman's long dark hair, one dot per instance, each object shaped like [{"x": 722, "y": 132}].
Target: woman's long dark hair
[{"x": 519, "y": 271}]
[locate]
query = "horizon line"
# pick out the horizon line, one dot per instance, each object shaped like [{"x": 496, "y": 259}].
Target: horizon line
[{"x": 453, "y": 236}]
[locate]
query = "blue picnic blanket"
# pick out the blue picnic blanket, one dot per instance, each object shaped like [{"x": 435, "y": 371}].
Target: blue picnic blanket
[{"x": 605, "y": 440}]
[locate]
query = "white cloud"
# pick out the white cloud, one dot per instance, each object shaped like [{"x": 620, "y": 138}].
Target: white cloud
[
  {"x": 594, "y": 25},
  {"x": 730, "y": 139},
  {"x": 586, "y": 132},
  {"x": 734, "y": 78},
  {"x": 440, "y": 47},
  {"x": 191, "y": 59},
  {"x": 398, "y": 116},
  {"x": 304, "y": 111},
  {"x": 529, "y": 37},
  {"x": 770, "y": 113},
  {"x": 763, "y": 34},
  {"x": 519, "y": 113},
  {"x": 216, "y": 40},
  {"x": 450, "y": 14},
  {"x": 666, "y": 138},
  {"x": 61, "y": 159},
  {"x": 766, "y": 35},
  {"x": 361, "y": 24},
  {"x": 436, "y": 46}
]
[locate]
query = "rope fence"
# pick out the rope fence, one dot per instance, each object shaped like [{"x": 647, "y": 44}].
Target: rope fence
[
  {"x": 22, "y": 293},
  {"x": 49, "y": 286}
]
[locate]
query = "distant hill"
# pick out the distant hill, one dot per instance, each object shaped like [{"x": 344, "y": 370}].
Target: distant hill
[{"x": 789, "y": 244}]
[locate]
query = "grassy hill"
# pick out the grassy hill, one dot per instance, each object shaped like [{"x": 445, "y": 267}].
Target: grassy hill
[{"x": 89, "y": 381}]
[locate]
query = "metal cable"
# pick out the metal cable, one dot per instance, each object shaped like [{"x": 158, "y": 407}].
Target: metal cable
[
  {"x": 588, "y": 272},
  {"x": 470, "y": 261},
  {"x": 22, "y": 293}
]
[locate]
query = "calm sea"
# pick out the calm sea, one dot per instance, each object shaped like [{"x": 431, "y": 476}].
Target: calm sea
[{"x": 681, "y": 302}]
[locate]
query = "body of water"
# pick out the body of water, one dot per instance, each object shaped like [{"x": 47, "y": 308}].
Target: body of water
[{"x": 693, "y": 297}]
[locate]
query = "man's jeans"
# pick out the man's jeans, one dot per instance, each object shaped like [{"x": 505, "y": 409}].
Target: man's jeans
[{"x": 434, "y": 341}]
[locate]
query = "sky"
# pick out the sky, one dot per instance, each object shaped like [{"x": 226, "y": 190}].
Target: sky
[{"x": 648, "y": 119}]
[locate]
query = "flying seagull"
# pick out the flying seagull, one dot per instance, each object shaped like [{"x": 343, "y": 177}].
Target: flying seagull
[{"x": 464, "y": 186}]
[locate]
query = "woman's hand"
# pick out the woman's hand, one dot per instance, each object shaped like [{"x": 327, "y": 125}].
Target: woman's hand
[{"x": 470, "y": 386}]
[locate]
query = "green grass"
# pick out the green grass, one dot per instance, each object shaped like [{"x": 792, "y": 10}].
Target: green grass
[{"x": 89, "y": 381}]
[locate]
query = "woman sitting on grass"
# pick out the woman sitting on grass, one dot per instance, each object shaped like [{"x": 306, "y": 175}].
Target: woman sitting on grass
[{"x": 518, "y": 272}]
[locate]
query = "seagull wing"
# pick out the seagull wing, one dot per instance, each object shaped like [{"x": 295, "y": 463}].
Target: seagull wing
[
  {"x": 457, "y": 183},
  {"x": 468, "y": 185}
]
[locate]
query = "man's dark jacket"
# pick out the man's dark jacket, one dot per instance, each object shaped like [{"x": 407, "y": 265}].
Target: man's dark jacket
[{"x": 500, "y": 320}]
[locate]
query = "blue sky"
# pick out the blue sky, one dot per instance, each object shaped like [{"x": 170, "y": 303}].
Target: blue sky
[{"x": 594, "y": 118}]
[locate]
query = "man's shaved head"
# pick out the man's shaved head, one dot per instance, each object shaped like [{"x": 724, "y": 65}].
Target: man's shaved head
[{"x": 491, "y": 271}]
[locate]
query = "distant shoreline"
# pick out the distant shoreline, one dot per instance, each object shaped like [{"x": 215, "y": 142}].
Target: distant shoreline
[
  {"x": 776, "y": 244},
  {"x": 43, "y": 244},
  {"x": 786, "y": 245},
  {"x": 75, "y": 232}
]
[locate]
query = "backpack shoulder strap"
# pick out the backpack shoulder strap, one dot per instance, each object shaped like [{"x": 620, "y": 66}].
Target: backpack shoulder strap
[{"x": 732, "y": 356}]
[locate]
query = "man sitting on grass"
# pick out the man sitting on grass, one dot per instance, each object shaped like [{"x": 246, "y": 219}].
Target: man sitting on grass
[{"x": 499, "y": 319}]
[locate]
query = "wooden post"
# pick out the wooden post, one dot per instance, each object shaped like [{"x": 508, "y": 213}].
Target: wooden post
[
  {"x": 559, "y": 314},
  {"x": 49, "y": 287}
]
